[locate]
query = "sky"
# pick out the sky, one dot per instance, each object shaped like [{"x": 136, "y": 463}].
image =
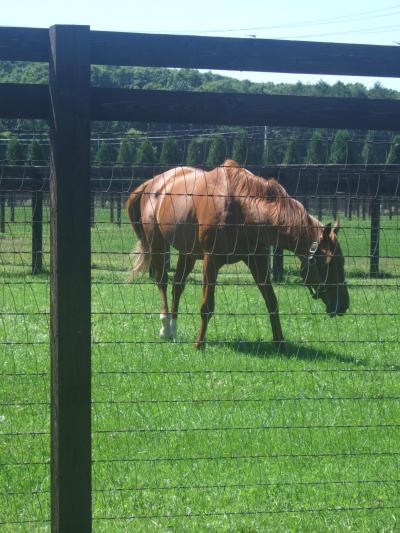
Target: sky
[{"x": 342, "y": 21}]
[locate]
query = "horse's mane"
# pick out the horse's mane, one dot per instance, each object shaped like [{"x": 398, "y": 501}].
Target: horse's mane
[{"x": 283, "y": 210}]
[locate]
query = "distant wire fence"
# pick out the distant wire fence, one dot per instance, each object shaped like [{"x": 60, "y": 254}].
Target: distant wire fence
[
  {"x": 260, "y": 145},
  {"x": 240, "y": 433}
]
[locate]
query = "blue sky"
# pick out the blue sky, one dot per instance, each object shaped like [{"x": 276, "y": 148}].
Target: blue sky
[{"x": 336, "y": 21}]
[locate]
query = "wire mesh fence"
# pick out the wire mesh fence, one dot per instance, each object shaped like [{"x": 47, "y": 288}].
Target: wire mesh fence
[
  {"x": 24, "y": 364},
  {"x": 240, "y": 435},
  {"x": 244, "y": 434}
]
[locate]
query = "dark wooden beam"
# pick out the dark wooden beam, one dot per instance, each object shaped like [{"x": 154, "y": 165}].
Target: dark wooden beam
[
  {"x": 185, "y": 51},
  {"x": 37, "y": 232},
  {"x": 375, "y": 209},
  {"x": 24, "y": 44},
  {"x": 19, "y": 100},
  {"x": 70, "y": 279},
  {"x": 244, "y": 109},
  {"x": 32, "y": 101},
  {"x": 2, "y": 213},
  {"x": 257, "y": 55}
]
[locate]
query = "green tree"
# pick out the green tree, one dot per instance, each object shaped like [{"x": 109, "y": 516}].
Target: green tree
[
  {"x": 195, "y": 152},
  {"x": 35, "y": 153},
  {"x": 217, "y": 151},
  {"x": 240, "y": 149},
  {"x": 393, "y": 157},
  {"x": 15, "y": 152},
  {"x": 344, "y": 149},
  {"x": 369, "y": 152},
  {"x": 273, "y": 152},
  {"x": 105, "y": 154},
  {"x": 125, "y": 153},
  {"x": 317, "y": 149},
  {"x": 170, "y": 152},
  {"x": 290, "y": 154},
  {"x": 146, "y": 153}
]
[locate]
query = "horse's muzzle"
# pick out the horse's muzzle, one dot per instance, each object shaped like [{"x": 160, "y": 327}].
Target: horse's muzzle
[{"x": 336, "y": 309}]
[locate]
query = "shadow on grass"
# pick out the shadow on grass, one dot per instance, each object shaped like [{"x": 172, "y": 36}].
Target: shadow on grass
[{"x": 298, "y": 351}]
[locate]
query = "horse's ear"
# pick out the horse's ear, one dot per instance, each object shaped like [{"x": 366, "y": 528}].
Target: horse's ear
[
  {"x": 336, "y": 227},
  {"x": 327, "y": 232}
]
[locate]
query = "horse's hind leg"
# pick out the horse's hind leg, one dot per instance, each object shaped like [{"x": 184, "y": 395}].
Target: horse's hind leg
[
  {"x": 159, "y": 260},
  {"x": 259, "y": 268},
  {"x": 183, "y": 268}
]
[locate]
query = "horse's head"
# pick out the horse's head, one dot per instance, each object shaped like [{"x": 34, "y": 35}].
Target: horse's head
[{"x": 323, "y": 272}]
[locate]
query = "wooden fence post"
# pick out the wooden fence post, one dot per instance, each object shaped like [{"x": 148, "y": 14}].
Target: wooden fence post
[
  {"x": 334, "y": 207},
  {"x": 92, "y": 208},
  {"x": 119, "y": 208},
  {"x": 11, "y": 203},
  {"x": 375, "y": 226},
  {"x": 37, "y": 232},
  {"x": 2, "y": 213},
  {"x": 277, "y": 264},
  {"x": 70, "y": 279},
  {"x": 319, "y": 208},
  {"x": 112, "y": 199}
]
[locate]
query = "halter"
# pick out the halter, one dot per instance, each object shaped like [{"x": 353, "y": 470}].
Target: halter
[{"x": 320, "y": 288}]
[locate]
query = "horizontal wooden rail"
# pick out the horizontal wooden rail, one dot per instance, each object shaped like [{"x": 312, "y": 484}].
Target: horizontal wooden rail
[
  {"x": 29, "y": 101},
  {"x": 24, "y": 44},
  {"x": 258, "y": 55},
  {"x": 32, "y": 101},
  {"x": 245, "y": 109},
  {"x": 183, "y": 51}
]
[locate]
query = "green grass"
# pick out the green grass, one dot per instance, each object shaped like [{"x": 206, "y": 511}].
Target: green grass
[{"x": 238, "y": 437}]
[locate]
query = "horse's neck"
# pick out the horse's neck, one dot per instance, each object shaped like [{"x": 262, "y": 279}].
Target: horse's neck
[{"x": 298, "y": 239}]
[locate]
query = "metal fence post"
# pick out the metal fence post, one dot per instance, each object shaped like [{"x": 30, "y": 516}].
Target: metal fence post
[{"x": 70, "y": 278}]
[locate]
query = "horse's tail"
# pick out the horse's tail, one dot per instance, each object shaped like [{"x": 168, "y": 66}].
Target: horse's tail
[{"x": 142, "y": 251}]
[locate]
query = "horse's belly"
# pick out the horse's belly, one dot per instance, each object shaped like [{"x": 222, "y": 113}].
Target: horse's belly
[{"x": 183, "y": 237}]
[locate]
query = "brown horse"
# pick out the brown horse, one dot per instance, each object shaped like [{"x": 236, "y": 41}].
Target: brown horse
[{"x": 225, "y": 216}]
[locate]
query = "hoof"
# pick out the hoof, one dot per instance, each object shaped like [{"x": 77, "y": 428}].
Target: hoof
[
  {"x": 173, "y": 330},
  {"x": 165, "y": 335},
  {"x": 200, "y": 345},
  {"x": 165, "y": 330}
]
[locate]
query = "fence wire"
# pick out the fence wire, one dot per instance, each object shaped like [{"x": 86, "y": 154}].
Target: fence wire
[
  {"x": 239, "y": 435},
  {"x": 24, "y": 362},
  {"x": 244, "y": 435}
]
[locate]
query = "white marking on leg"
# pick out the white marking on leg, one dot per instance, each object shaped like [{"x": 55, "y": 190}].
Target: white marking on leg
[
  {"x": 165, "y": 331},
  {"x": 173, "y": 328}
]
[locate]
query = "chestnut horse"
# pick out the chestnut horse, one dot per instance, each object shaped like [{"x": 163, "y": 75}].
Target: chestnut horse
[{"x": 225, "y": 216}]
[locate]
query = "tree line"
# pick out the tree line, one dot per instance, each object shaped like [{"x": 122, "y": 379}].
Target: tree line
[{"x": 278, "y": 147}]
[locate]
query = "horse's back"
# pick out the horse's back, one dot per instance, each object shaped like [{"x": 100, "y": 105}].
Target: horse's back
[{"x": 189, "y": 207}]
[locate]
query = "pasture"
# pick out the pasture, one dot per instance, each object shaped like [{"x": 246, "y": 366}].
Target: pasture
[{"x": 238, "y": 437}]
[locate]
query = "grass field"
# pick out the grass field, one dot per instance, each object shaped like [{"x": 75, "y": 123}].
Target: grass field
[{"x": 238, "y": 437}]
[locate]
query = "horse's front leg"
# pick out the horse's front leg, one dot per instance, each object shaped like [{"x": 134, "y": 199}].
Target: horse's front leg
[
  {"x": 210, "y": 272},
  {"x": 258, "y": 266}
]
